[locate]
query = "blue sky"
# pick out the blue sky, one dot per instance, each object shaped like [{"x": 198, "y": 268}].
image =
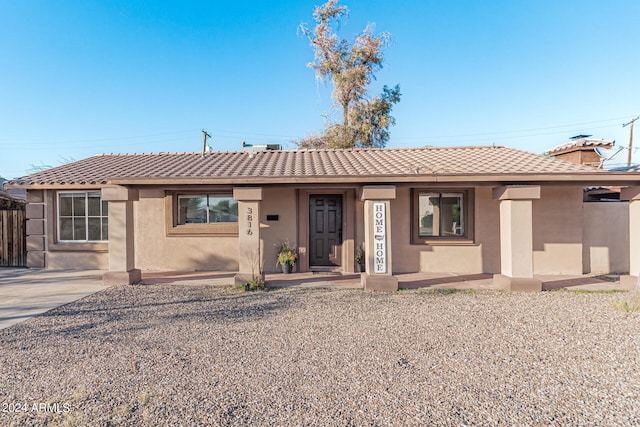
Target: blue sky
[{"x": 79, "y": 78}]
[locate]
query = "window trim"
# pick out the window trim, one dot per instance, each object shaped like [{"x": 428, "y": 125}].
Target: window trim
[
  {"x": 468, "y": 199},
  {"x": 173, "y": 228},
  {"x": 85, "y": 193}
]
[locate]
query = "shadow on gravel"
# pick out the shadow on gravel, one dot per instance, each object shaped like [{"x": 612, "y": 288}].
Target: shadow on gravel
[
  {"x": 426, "y": 283},
  {"x": 329, "y": 278},
  {"x": 108, "y": 313},
  {"x": 152, "y": 278},
  {"x": 568, "y": 283}
]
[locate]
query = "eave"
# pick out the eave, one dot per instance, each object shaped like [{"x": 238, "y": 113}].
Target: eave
[{"x": 584, "y": 179}]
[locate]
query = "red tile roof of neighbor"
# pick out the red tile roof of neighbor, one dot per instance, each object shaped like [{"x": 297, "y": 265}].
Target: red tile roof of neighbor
[{"x": 428, "y": 164}]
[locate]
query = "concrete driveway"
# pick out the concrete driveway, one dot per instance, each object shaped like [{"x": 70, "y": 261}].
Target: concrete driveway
[{"x": 25, "y": 293}]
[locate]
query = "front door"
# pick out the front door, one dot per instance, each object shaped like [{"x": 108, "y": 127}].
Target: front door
[{"x": 325, "y": 230}]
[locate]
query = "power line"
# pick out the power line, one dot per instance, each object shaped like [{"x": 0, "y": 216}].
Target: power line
[
  {"x": 137, "y": 140},
  {"x": 148, "y": 139},
  {"x": 519, "y": 131},
  {"x": 490, "y": 136}
]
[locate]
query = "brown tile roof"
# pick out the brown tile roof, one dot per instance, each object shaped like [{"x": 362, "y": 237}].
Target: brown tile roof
[{"x": 365, "y": 165}]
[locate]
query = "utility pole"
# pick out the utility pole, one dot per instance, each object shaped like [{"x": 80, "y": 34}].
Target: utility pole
[
  {"x": 630, "y": 138},
  {"x": 204, "y": 143}
]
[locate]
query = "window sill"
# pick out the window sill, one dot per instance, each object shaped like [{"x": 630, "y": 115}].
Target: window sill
[
  {"x": 445, "y": 242},
  {"x": 79, "y": 247},
  {"x": 203, "y": 230}
]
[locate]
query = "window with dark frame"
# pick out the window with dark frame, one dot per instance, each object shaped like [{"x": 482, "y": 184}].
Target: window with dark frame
[
  {"x": 440, "y": 215},
  {"x": 207, "y": 209},
  {"x": 82, "y": 217}
]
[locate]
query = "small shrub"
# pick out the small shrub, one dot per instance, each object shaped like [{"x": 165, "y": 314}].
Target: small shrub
[
  {"x": 360, "y": 254},
  {"x": 256, "y": 284},
  {"x": 627, "y": 307}
]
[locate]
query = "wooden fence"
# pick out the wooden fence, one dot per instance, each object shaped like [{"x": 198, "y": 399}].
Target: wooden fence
[{"x": 13, "y": 238}]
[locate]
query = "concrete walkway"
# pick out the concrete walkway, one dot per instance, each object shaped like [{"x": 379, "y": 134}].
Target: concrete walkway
[{"x": 25, "y": 293}]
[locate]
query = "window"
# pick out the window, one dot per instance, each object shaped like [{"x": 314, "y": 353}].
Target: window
[
  {"x": 440, "y": 215},
  {"x": 82, "y": 217},
  {"x": 207, "y": 209}
]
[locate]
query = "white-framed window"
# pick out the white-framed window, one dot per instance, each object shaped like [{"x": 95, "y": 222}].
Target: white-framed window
[
  {"x": 207, "y": 209},
  {"x": 82, "y": 217}
]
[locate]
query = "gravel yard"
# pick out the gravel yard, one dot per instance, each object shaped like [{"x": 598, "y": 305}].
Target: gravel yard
[{"x": 202, "y": 355}]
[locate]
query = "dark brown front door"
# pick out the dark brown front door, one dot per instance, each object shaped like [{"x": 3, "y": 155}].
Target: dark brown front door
[{"x": 325, "y": 230}]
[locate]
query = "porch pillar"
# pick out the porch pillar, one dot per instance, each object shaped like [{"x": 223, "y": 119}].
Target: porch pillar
[
  {"x": 250, "y": 256},
  {"x": 516, "y": 238},
  {"x": 122, "y": 269},
  {"x": 36, "y": 229},
  {"x": 632, "y": 280},
  {"x": 378, "y": 274}
]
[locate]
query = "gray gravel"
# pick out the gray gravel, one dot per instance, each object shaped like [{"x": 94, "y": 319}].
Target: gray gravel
[{"x": 202, "y": 355}]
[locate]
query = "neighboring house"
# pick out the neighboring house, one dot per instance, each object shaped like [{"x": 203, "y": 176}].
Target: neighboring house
[
  {"x": 11, "y": 200},
  {"x": 13, "y": 248},
  {"x": 464, "y": 210},
  {"x": 580, "y": 149}
]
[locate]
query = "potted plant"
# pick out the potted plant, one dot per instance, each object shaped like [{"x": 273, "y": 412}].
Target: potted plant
[
  {"x": 287, "y": 257},
  {"x": 360, "y": 258}
]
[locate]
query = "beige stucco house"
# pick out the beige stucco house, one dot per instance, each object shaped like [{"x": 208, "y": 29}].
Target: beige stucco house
[{"x": 459, "y": 209}]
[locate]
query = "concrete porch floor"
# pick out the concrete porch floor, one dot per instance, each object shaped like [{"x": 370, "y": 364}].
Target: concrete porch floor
[{"x": 405, "y": 280}]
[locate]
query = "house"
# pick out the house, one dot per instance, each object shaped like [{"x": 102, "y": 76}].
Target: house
[
  {"x": 467, "y": 210},
  {"x": 580, "y": 149},
  {"x": 11, "y": 200}
]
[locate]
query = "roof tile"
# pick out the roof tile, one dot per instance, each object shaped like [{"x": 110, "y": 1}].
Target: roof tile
[
  {"x": 474, "y": 160},
  {"x": 581, "y": 143}
]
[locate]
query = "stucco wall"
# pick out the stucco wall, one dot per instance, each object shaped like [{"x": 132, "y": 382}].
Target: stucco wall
[
  {"x": 557, "y": 236},
  {"x": 483, "y": 255},
  {"x": 281, "y": 202},
  {"x": 557, "y": 231},
  {"x": 569, "y": 236},
  {"x": 73, "y": 256},
  {"x": 606, "y": 237},
  {"x": 83, "y": 260},
  {"x": 156, "y": 251}
]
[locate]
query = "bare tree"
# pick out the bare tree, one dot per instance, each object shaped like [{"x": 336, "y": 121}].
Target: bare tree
[{"x": 351, "y": 67}]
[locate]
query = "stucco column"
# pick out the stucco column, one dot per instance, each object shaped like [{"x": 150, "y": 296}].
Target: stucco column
[
  {"x": 250, "y": 254},
  {"x": 632, "y": 280},
  {"x": 516, "y": 238},
  {"x": 122, "y": 269},
  {"x": 36, "y": 229},
  {"x": 378, "y": 274}
]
